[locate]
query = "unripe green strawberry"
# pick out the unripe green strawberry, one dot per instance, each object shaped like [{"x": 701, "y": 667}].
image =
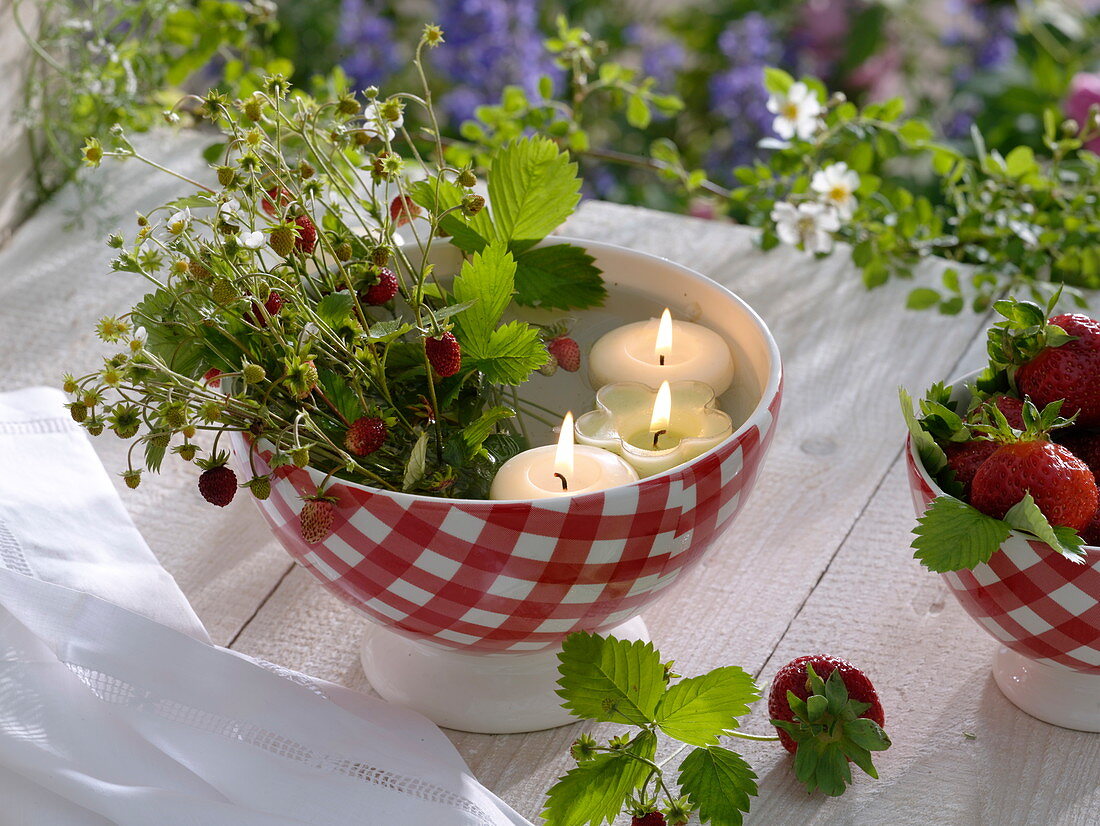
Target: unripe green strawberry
[
  {"x": 300, "y": 456},
  {"x": 78, "y": 411},
  {"x": 160, "y": 440},
  {"x": 343, "y": 251},
  {"x": 253, "y": 374},
  {"x": 380, "y": 255},
  {"x": 260, "y": 487},
  {"x": 282, "y": 240},
  {"x": 466, "y": 178},
  {"x": 175, "y": 416},
  {"x": 223, "y": 291},
  {"x": 227, "y": 176},
  {"x": 132, "y": 478},
  {"x": 94, "y": 425},
  {"x": 199, "y": 271},
  {"x": 187, "y": 451},
  {"x": 348, "y": 105}
]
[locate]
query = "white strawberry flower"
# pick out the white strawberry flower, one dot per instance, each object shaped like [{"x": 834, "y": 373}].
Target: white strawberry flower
[
  {"x": 837, "y": 185},
  {"x": 252, "y": 240},
  {"x": 376, "y": 125},
  {"x": 138, "y": 339},
  {"x": 809, "y": 224},
  {"x": 229, "y": 209},
  {"x": 179, "y": 222},
  {"x": 797, "y": 112}
]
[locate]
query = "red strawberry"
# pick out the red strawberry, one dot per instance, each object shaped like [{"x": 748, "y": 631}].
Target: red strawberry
[
  {"x": 212, "y": 377},
  {"x": 1012, "y": 408},
  {"x": 218, "y": 485},
  {"x": 1068, "y": 371},
  {"x": 366, "y": 435},
  {"x": 444, "y": 354},
  {"x": 966, "y": 457},
  {"x": 649, "y": 819},
  {"x": 1086, "y": 447},
  {"x": 384, "y": 289},
  {"x": 273, "y": 304},
  {"x": 567, "y": 352},
  {"x": 307, "y": 234},
  {"x": 315, "y": 520},
  {"x": 403, "y": 209},
  {"x": 1061, "y": 484},
  {"x": 828, "y": 707},
  {"x": 277, "y": 194}
]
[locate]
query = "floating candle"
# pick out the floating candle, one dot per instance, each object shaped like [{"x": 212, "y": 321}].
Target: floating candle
[
  {"x": 655, "y": 430},
  {"x": 653, "y": 351},
  {"x": 564, "y": 469}
]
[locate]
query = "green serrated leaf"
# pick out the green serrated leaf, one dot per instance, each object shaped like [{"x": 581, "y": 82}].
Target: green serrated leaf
[
  {"x": 485, "y": 284},
  {"x": 610, "y": 680},
  {"x": 533, "y": 187},
  {"x": 931, "y": 454},
  {"x": 475, "y": 433},
  {"x": 952, "y": 536},
  {"x": 335, "y": 309},
  {"x": 1025, "y": 515},
  {"x": 699, "y": 710},
  {"x": 719, "y": 783},
  {"x": 558, "y": 277},
  {"x": 510, "y": 355},
  {"x": 597, "y": 790},
  {"x": 339, "y": 391}
]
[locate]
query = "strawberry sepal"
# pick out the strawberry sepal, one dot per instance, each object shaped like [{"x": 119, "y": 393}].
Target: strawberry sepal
[{"x": 829, "y": 732}]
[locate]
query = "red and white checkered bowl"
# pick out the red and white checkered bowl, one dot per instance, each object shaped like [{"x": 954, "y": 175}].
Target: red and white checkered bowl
[
  {"x": 1028, "y": 597},
  {"x": 518, "y": 576}
]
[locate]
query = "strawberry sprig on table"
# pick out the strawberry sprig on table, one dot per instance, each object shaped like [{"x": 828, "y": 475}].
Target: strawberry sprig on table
[
  {"x": 825, "y": 710},
  {"x": 1023, "y": 455}
]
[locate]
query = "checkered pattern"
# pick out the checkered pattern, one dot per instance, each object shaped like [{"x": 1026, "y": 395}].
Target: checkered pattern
[
  {"x": 1032, "y": 599},
  {"x": 519, "y": 576}
]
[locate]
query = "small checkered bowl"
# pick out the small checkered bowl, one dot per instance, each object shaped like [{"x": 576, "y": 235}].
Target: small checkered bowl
[
  {"x": 516, "y": 577},
  {"x": 1042, "y": 608}
]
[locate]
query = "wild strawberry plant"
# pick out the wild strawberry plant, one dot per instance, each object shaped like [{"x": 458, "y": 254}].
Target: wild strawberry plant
[
  {"x": 296, "y": 301},
  {"x": 608, "y": 680}
]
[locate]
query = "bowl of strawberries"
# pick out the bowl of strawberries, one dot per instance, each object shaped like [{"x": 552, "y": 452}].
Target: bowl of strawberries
[{"x": 1003, "y": 467}]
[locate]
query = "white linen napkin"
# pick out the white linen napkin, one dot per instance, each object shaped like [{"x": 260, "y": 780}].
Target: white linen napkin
[{"x": 115, "y": 708}]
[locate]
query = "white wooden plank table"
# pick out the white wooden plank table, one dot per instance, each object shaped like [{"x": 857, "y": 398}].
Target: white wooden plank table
[{"x": 817, "y": 561}]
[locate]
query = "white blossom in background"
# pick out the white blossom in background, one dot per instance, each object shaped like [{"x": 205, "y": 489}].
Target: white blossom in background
[
  {"x": 376, "y": 124},
  {"x": 179, "y": 222},
  {"x": 798, "y": 112},
  {"x": 810, "y": 224},
  {"x": 837, "y": 185},
  {"x": 229, "y": 209},
  {"x": 138, "y": 339},
  {"x": 252, "y": 240}
]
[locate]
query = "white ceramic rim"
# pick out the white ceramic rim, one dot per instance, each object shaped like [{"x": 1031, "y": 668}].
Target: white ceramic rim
[
  {"x": 927, "y": 477},
  {"x": 758, "y": 417}
]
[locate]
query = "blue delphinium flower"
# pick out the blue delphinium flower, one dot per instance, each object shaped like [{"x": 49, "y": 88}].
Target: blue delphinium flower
[
  {"x": 983, "y": 38},
  {"x": 663, "y": 55},
  {"x": 367, "y": 36},
  {"x": 490, "y": 44},
  {"x": 737, "y": 94}
]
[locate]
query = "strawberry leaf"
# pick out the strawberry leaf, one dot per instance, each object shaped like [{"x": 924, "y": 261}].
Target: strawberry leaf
[
  {"x": 719, "y": 783},
  {"x": 558, "y": 276},
  {"x": 533, "y": 187},
  {"x": 952, "y": 536},
  {"x": 509, "y": 356},
  {"x": 1025, "y": 515},
  {"x": 699, "y": 710},
  {"x": 475, "y": 433},
  {"x": 931, "y": 454},
  {"x": 487, "y": 281},
  {"x": 610, "y": 680},
  {"x": 597, "y": 790}
]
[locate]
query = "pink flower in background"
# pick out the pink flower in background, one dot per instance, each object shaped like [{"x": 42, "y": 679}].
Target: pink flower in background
[{"x": 1084, "y": 91}]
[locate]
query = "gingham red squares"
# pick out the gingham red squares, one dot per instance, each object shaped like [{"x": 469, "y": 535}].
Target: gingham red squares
[
  {"x": 1032, "y": 599},
  {"x": 518, "y": 576}
]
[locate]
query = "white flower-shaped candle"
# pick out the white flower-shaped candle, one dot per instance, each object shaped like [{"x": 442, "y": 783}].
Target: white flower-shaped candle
[
  {"x": 564, "y": 469},
  {"x": 650, "y": 352},
  {"x": 655, "y": 430}
]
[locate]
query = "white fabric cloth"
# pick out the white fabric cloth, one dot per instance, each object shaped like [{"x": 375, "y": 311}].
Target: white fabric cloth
[{"x": 115, "y": 708}]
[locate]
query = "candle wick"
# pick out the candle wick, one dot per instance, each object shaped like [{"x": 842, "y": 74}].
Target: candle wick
[
  {"x": 564, "y": 481},
  {"x": 657, "y": 436},
  {"x": 662, "y": 359}
]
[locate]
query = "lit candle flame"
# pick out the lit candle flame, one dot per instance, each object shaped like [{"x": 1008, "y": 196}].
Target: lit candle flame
[
  {"x": 664, "y": 337},
  {"x": 563, "y": 458},
  {"x": 662, "y": 412}
]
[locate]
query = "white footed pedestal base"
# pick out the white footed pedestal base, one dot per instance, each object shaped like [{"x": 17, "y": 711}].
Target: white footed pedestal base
[
  {"x": 1052, "y": 694},
  {"x": 483, "y": 693}
]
